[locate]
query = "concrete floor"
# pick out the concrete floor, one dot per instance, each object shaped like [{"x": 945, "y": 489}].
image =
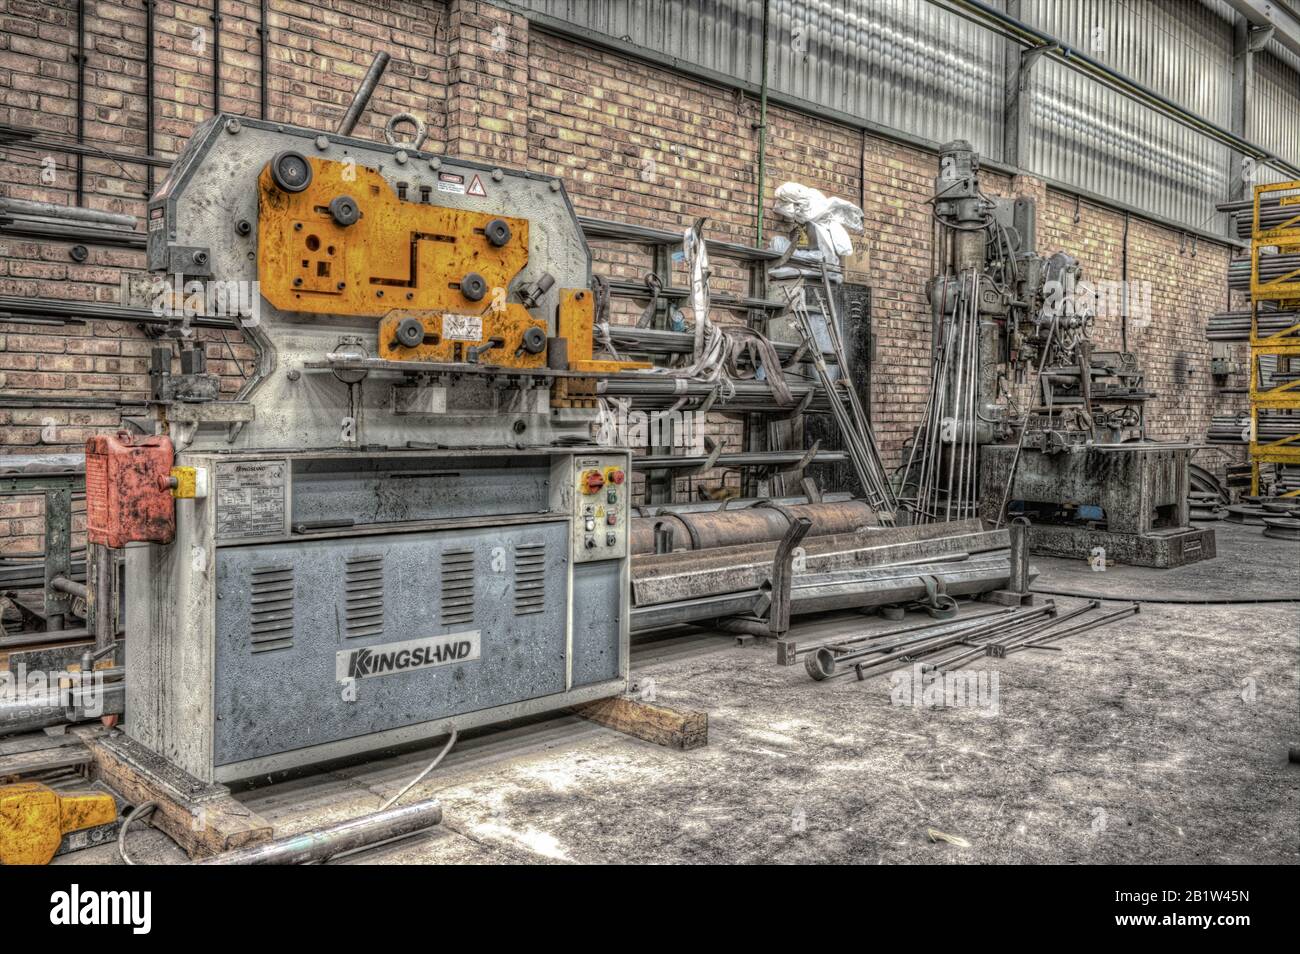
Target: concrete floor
[{"x": 1162, "y": 738}]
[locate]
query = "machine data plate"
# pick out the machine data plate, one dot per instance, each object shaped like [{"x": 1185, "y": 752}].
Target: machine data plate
[{"x": 251, "y": 498}]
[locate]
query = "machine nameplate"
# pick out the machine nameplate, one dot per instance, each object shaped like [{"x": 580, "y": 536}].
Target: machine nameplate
[
  {"x": 251, "y": 498},
  {"x": 388, "y": 659}
]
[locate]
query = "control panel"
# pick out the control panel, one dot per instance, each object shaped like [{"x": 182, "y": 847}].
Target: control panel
[{"x": 601, "y": 486}]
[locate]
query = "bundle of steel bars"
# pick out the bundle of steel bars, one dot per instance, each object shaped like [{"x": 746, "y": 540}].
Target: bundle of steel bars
[
  {"x": 945, "y": 473},
  {"x": 947, "y": 646},
  {"x": 1235, "y": 428},
  {"x": 1271, "y": 214},
  {"x": 1271, "y": 268},
  {"x": 855, "y": 430},
  {"x": 1235, "y": 325}
]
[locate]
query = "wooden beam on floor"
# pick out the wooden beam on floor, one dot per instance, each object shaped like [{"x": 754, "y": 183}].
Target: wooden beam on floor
[
  {"x": 21, "y": 764},
  {"x": 203, "y": 819},
  {"x": 649, "y": 722}
]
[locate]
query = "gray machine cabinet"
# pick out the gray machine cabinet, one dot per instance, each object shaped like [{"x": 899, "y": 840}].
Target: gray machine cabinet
[{"x": 273, "y": 634}]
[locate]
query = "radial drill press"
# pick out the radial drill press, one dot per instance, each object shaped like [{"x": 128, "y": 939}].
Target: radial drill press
[{"x": 1025, "y": 418}]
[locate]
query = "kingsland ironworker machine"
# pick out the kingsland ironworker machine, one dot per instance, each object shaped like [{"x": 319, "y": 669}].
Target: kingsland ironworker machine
[
  {"x": 1025, "y": 417},
  {"x": 400, "y": 523}
]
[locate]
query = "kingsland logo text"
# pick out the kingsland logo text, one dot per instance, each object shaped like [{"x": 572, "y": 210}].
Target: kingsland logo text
[
  {"x": 75, "y": 907},
  {"x": 390, "y": 658}
]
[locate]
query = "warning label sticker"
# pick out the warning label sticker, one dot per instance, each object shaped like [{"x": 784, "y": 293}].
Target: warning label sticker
[
  {"x": 251, "y": 498},
  {"x": 476, "y": 187},
  {"x": 451, "y": 182},
  {"x": 462, "y": 327}
]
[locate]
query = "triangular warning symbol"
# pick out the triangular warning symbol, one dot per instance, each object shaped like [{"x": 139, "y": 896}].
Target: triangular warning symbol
[{"x": 476, "y": 187}]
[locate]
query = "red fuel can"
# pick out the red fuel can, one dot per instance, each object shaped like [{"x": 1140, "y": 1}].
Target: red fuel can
[{"x": 128, "y": 498}]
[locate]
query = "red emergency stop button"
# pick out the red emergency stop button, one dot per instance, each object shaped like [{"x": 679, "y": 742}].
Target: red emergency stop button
[
  {"x": 615, "y": 475},
  {"x": 592, "y": 482}
]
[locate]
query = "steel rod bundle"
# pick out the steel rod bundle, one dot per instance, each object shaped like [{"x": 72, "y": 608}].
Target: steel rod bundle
[
  {"x": 1235, "y": 325},
  {"x": 825, "y": 663},
  {"x": 946, "y": 471},
  {"x": 854, "y": 429},
  {"x": 636, "y": 340},
  {"x": 1272, "y": 214},
  {"x": 658, "y": 392},
  {"x": 1271, "y": 268},
  {"x": 1018, "y": 635},
  {"x": 1235, "y": 428},
  {"x": 860, "y": 416},
  {"x": 68, "y": 223},
  {"x": 963, "y": 641}
]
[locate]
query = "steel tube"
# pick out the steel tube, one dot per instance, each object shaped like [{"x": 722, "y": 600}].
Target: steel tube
[
  {"x": 694, "y": 611},
  {"x": 732, "y": 503},
  {"x": 1040, "y": 626},
  {"x": 956, "y": 580},
  {"x": 739, "y": 459},
  {"x": 364, "y": 92},
  {"x": 29, "y": 715},
  {"x": 825, "y": 663},
  {"x": 71, "y": 587},
  {"x": 723, "y": 528},
  {"x": 67, "y": 213},
  {"x": 696, "y": 574},
  {"x": 1130, "y": 610},
  {"x": 49, "y": 637},
  {"x": 321, "y": 843},
  {"x": 1271, "y": 267}
]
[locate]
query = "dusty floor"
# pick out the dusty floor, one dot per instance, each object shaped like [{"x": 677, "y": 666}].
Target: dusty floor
[{"x": 1162, "y": 738}]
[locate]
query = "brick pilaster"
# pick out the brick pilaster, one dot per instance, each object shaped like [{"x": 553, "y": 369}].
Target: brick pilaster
[{"x": 487, "y": 95}]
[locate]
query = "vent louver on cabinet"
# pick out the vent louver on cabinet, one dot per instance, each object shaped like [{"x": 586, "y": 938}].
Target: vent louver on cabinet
[
  {"x": 271, "y": 608},
  {"x": 364, "y": 595},
  {"x": 457, "y": 587},
  {"x": 530, "y": 578}
]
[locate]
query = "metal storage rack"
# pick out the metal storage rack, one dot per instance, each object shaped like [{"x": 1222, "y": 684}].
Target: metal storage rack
[{"x": 1269, "y": 283}]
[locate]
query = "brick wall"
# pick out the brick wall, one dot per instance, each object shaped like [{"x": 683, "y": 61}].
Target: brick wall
[
  {"x": 317, "y": 54},
  {"x": 632, "y": 141}
]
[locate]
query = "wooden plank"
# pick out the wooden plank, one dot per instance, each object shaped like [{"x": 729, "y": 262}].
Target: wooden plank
[
  {"x": 35, "y": 742},
  {"x": 203, "y": 819},
  {"x": 43, "y": 760},
  {"x": 652, "y": 723}
]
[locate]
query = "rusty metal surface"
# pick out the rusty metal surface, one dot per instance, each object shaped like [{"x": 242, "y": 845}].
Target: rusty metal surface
[
  {"x": 688, "y": 576},
  {"x": 505, "y": 326},
  {"x": 698, "y": 531},
  {"x": 41, "y": 465},
  {"x": 125, "y": 501},
  {"x": 575, "y": 319},
  {"x": 397, "y": 254},
  {"x": 648, "y": 564}
]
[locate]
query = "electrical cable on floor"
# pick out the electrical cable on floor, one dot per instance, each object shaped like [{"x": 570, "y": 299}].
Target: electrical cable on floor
[
  {"x": 140, "y": 810},
  {"x": 451, "y": 740}
]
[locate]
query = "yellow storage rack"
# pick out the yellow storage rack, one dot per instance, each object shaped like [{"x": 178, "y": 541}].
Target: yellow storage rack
[{"x": 1284, "y": 344}]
